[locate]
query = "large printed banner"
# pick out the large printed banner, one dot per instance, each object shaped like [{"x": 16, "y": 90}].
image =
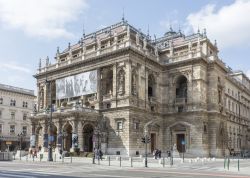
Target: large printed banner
[{"x": 77, "y": 85}]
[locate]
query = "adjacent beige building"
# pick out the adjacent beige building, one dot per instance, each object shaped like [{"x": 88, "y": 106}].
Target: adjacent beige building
[
  {"x": 16, "y": 104},
  {"x": 118, "y": 84}
]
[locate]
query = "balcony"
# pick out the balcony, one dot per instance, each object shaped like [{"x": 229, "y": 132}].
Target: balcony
[
  {"x": 181, "y": 101},
  {"x": 107, "y": 96},
  {"x": 152, "y": 99}
]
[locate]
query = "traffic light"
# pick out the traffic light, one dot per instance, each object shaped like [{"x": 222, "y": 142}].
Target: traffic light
[
  {"x": 148, "y": 140},
  {"x": 143, "y": 140}
]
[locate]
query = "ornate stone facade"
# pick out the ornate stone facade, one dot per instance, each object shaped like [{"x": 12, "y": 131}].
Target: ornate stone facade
[{"x": 175, "y": 87}]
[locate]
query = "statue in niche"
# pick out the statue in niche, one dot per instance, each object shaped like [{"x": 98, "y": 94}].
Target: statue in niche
[
  {"x": 134, "y": 84},
  {"x": 121, "y": 82}
]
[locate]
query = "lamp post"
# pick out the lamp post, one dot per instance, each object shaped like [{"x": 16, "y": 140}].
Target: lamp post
[
  {"x": 50, "y": 158},
  {"x": 146, "y": 140},
  {"x": 183, "y": 149},
  {"x": 20, "y": 136}
]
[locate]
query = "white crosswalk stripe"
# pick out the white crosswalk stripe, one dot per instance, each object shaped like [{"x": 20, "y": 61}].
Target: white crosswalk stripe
[{"x": 47, "y": 171}]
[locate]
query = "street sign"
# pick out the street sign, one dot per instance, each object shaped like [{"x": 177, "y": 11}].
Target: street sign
[{"x": 8, "y": 143}]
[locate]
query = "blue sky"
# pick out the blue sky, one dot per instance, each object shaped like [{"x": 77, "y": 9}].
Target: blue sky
[{"x": 32, "y": 29}]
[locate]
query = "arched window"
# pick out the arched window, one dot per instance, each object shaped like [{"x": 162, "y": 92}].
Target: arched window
[
  {"x": 134, "y": 83},
  {"x": 181, "y": 87},
  {"x": 151, "y": 86},
  {"x": 109, "y": 84}
]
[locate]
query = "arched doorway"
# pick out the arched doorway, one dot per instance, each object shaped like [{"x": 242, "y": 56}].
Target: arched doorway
[
  {"x": 54, "y": 134},
  {"x": 38, "y": 138},
  {"x": 88, "y": 138},
  {"x": 67, "y": 142}
]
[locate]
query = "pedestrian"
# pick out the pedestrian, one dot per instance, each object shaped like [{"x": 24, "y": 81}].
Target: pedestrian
[
  {"x": 156, "y": 153},
  {"x": 35, "y": 153},
  {"x": 168, "y": 153},
  {"x": 100, "y": 154},
  {"x": 31, "y": 153},
  {"x": 159, "y": 153}
]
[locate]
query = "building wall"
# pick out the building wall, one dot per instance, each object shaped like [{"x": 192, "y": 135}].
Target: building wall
[
  {"x": 19, "y": 119},
  {"x": 171, "y": 88}
]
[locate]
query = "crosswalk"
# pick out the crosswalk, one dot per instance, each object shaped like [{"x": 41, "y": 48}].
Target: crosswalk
[{"x": 28, "y": 171}]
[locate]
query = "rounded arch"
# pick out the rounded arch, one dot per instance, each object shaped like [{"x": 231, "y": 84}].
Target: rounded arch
[
  {"x": 151, "y": 85},
  {"x": 67, "y": 140},
  {"x": 54, "y": 133},
  {"x": 181, "y": 86},
  {"x": 88, "y": 140},
  {"x": 134, "y": 81},
  {"x": 121, "y": 81},
  {"x": 38, "y": 136}
]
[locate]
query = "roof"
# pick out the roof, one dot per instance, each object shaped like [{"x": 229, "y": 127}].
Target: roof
[{"x": 16, "y": 89}]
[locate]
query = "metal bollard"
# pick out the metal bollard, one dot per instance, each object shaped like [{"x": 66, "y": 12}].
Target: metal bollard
[
  {"x": 120, "y": 161},
  {"x": 62, "y": 158},
  {"x": 71, "y": 159},
  {"x": 109, "y": 160},
  {"x": 228, "y": 162},
  {"x": 225, "y": 162},
  {"x": 98, "y": 161},
  {"x": 163, "y": 162},
  {"x": 131, "y": 161},
  {"x": 55, "y": 158},
  {"x": 33, "y": 158},
  {"x": 26, "y": 158}
]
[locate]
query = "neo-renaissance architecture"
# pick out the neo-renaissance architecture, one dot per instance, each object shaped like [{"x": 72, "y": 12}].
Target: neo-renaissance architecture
[
  {"x": 16, "y": 104},
  {"x": 117, "y": 85}
]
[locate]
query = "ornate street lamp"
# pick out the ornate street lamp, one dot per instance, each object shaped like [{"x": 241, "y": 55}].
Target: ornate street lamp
[{"x": 50, "y": 158}]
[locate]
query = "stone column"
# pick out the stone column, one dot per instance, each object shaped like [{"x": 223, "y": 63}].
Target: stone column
[
  {"x": 45, "y": 95},
  {"x": 99, "y": 94},
  {"x": 74, "y": 135},
  {"x": 80, "y": 136}
]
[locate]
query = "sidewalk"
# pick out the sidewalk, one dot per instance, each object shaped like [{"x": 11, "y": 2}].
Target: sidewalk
[{"x": 203, "y": 164}]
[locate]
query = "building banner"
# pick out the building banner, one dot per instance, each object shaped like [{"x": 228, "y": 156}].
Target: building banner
[{"x": 77, "y": 85}]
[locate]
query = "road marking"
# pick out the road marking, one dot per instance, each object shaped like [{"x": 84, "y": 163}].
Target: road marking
[
  {"x": 103, "y": 175},
  {"x": 15, "y": 175},
  {"x": 193, "y": 173}
]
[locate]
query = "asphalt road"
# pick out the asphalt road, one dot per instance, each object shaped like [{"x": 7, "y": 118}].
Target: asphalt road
[{"x": 66, "y": 170}]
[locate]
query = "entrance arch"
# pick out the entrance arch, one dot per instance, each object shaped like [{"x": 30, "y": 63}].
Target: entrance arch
[
  {"x": 67, "y": 142},
  {"x": 88, "y": 132},
  {"x": 54, "y": 134}
]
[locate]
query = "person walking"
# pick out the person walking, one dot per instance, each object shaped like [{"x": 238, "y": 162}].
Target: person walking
[{"x": 159, "y": 154}]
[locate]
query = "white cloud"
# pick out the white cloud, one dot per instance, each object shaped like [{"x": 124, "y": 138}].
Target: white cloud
[
  {"x": 229, "y": 25},
  {"x": 14, "y": 67},
  {"x": 43, "y": 18}
]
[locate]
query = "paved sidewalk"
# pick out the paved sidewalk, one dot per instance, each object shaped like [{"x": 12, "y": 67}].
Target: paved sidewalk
[{"x": 204, "y": 164}]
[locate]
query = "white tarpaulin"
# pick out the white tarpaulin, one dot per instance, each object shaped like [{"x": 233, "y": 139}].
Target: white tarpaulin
[{"x": 77, "y": 85}]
